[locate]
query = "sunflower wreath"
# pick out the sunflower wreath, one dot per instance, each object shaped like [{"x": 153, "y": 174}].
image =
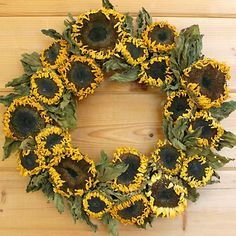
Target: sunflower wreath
[{"x": 131, "y": 188}]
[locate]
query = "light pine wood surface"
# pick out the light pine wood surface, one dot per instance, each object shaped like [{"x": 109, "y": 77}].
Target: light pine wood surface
[{"x": 117, "y": 115}]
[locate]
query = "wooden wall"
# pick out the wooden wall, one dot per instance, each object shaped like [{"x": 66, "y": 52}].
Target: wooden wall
[{"x": 116, "y": 115}]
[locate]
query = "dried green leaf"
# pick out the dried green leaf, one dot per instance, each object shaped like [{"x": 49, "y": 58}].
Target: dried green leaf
[
  {"x": 24, "y": 79},
  {"x": 179, "y": 129},
  {"x": 177, "y": 144},
  {"x": 169, "y": 127},
  {"x": 215, "y": 160},
  {"x": 104, "y": 161},
  {"x": 67, "y": 36},
  {"x": 65, "y": 112},
  {"x": 228, "y": 139},
  {"x": 28, "y": 144},
  {"x": 75, "y": 206},
  {"x": 10, "y": 146},
  {"x": 32, "y": 59},
  {"x": 31, "y": 63},
  {"x": 114, "y": 194},
  {"x": 115, "y": 64},
  {"x": 7, "y": 100},
  {"x": 104, "y": 157},
  {"x": 59, "y": 202},
  {"x": 112, "y": 171},
  {"x": 66, "y": 99},
  {"x": 143, "y": 20},
  {"x": 37, "y": 182},
  {"x": 224, "y": 110},
  {"x": 126, "y": 76},
  {"x": 71, "y": 18},
  {"x": 47, "y": 189},
  {"x": 88, "y": 221},
  {"x": 107, "y": 170},
  {"x": 107, "y": 4},
  {"x": 111, "y": 224},
  {"x": 165, "y": 127},
  {"x": 171, "y": 87},
  {"x": 128, "y": 24},
  {"x": 21, "y": 88},
  {"x": 52, "y": 33},
  {"x": 187, "y": 51},
  {"x": 190, "y": 140},
  {"x": 68, "y": 118},
  {"x": 193, "y": 195},
  {"x": 175, "y": 132},
  {"x": 193, "y": 151}
]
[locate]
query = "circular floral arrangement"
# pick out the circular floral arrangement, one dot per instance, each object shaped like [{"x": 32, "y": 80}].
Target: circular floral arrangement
[{"x": 131, "y": 188}]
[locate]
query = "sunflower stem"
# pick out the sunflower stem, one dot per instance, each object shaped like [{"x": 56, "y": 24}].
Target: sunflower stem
[{"x": 107, "y": 4}]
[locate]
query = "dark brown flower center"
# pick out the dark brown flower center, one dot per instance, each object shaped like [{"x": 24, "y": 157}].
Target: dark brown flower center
[
  {"x": 52, "y": 140},
  {"x": 196, "y": 169},
  {"x": 96, "y": 205},
  {"x": 169, "y": 156},
  {"x": 134, "y": 51},
  {"x": 75, "y": 173},
  {"x": 157, "y": 70},
  {"x": 164, "y": 197},
  {"x": 133, "y": 163},
  {"x": 133, "y": 211},
  {"x": 52, "y": 53},
  {"x": 206, "y": 82},
  {"x": 162, "y": 35},
  {"x": 46, "y": 87},
  {"x": 98, "y": 32},
  {"x": 207, "y": 131},
  {"x": 179, "y": 106},
  {"x": 25, "y": 121},
  {"x": 210, "y": 79},
  {"x": 81, "y": 75},
  {"x": 29, "y": 161}
]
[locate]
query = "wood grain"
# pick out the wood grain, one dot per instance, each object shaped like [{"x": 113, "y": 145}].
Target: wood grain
[
  {"x": 117, "y": 115},
  {"x": 135, "y": 121},
  {"x": 196, "y": 8}
]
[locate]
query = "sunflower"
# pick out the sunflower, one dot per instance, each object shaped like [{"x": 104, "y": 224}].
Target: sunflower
[
  {"x": 167, "y": 197},
  {"x": 24, "y": 117},
  {"x": 96, "y": 204},
  {"x": 133, "y": 50},
  {"x": 179, "y": 105},
  {"x": 212, "y": 131},
  {"x": 74, "y": 174},
  {"x": 156, "y": 72},
  {"x": 206, "y": 82},
  {"x": 168, "y": 157},
  {"x": 46, "y": 86},
  {"x": 132, "y": 179},
  {"x": 52, "y": 143},
  {"x": 81, "y": 75},
  {"x": 54, "y": 56},
  {"x": 160, "y": 36},
  {"x": 29, "y": 163},
  {"x": 196, "y": 172},
  {"x": 98, "y": 33},
  {"x": 133, "y": 211}
]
